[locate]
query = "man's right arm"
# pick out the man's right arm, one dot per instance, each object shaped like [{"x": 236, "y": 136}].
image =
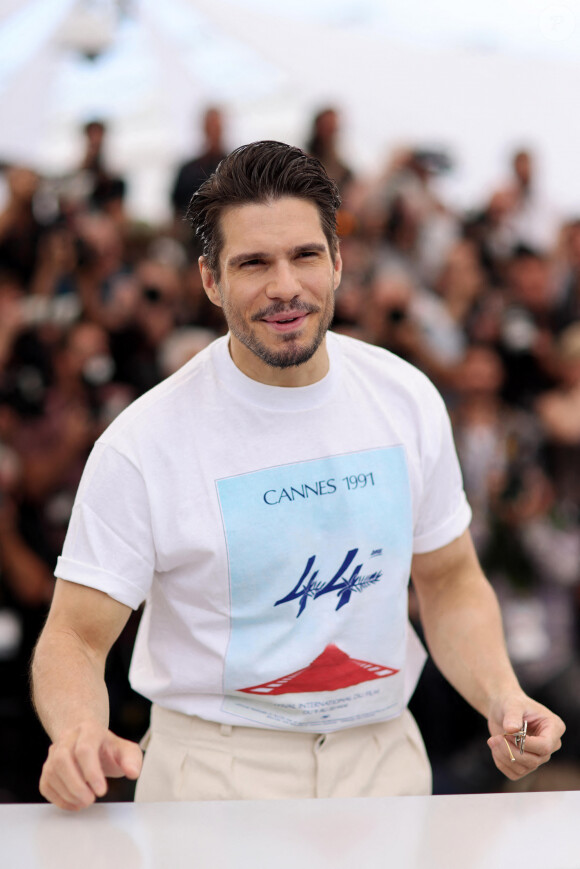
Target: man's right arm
[{"x": 71, "y": 699}]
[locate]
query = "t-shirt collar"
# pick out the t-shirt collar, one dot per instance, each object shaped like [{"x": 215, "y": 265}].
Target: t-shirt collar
[{"x": 276, "y": 397}]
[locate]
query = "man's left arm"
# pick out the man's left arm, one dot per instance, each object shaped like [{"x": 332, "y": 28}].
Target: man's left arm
[{"x": 463, "y": 628}]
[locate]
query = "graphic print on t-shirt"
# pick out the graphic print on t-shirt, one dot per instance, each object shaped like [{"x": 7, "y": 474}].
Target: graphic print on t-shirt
[
  {"x": 319, "y": 557},
  {"x": 330, "y": 671}
]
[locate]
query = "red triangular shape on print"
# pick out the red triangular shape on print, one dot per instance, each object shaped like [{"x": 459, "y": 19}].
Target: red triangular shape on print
[{"x": 331, "y": 670}]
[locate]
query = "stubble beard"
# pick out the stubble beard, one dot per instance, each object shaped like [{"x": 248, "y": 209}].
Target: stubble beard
[{"x": 292, "y": 352}]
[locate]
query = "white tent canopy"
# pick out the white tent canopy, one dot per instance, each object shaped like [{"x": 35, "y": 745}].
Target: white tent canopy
[{"x": 470, "y": 80}]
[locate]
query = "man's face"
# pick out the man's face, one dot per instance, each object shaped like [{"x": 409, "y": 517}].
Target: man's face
[{"x": 276, "y": 290}]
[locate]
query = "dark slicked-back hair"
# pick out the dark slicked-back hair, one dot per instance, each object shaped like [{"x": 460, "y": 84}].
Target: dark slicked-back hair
[{"x": 259, "y": 173}]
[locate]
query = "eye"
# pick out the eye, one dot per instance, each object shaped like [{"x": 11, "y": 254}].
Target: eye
[
  {"x": 251, "y": 262},
  {"x": 307, "y": 254}
]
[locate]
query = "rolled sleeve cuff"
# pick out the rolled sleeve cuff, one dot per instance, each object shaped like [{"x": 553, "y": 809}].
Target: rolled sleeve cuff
[
  {"x": 115, "y": 586},
  {"x": 452, "y": 528}
]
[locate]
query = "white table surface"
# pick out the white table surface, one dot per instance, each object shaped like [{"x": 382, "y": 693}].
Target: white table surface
[{"x": 484, "y": 831}]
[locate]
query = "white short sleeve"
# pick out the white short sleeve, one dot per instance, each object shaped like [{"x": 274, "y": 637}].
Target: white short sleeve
[
  {"x": 109, "y": 543},
  {"x": 443, "y": 512}
]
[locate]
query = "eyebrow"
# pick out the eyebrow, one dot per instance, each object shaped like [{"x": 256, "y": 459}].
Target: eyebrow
[{"x": 301, "y": 248}]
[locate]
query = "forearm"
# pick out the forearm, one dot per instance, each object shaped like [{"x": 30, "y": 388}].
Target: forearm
[
  {"x": 462, "y": 623},
  {"x": 70, "y": 695},
  {"x": 466, "y": 640},
  {"x": 464, "y": 632},
  {"x": 68, "y": 684}
]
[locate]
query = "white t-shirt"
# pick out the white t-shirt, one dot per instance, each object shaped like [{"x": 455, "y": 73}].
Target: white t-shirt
[{"x": 270, "y": 532}]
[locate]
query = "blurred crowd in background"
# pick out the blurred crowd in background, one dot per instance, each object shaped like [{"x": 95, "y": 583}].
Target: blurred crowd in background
[{"x": 97, "y": 307}]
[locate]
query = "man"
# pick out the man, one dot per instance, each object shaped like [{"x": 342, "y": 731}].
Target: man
[
  {"x": 191, "y": 174},
  {"x": 269, "y": 502}
]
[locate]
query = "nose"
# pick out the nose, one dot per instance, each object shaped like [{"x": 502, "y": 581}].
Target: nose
[{"x": 283, "y": 282}]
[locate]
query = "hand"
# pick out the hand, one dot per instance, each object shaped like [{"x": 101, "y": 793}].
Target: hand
[
  {"x": 544, "y": 733},
  {"x": 78, "y": 764}
]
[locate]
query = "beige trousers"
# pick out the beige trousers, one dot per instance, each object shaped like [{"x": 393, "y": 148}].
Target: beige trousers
[{"x": 188, "y": 758}]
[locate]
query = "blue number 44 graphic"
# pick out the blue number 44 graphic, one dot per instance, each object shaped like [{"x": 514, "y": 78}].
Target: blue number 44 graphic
[{"x": 310, "y": 587}]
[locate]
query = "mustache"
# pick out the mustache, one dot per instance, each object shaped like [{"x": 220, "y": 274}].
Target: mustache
[{"x": 276, "y": 308}]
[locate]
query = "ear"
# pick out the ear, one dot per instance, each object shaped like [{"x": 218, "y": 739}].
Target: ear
[
  {"x": 337, "y": 269},
  {"x": 209, "y": 282}
]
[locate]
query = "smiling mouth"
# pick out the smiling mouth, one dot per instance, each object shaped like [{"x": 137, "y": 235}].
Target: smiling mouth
[
  {"x": 280, "y": 312},
  {"x": 285, "y": 323},
  {"x": 282, "y": 320}
]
